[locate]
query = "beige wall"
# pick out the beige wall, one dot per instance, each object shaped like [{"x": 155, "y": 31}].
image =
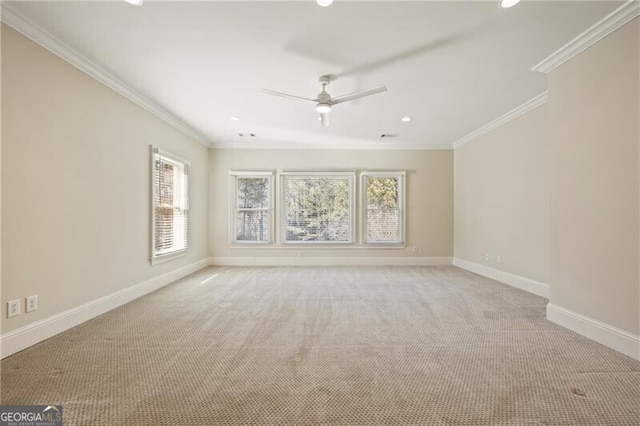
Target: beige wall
[
  {"x": 429, "y": 196},
  {"x": 2, "y": 316},
  {"x": 594, "y": 198},
  {"x": 75, "y": 184},
  {"x": 501, "y": 197}
]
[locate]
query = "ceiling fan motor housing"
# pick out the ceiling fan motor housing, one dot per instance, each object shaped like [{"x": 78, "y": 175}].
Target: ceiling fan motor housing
[
  {"x": 324, "y": 101},
  {"x": 324, "y": 97}
]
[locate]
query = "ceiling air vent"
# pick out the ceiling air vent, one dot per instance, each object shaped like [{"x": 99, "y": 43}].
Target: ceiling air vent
[{"x": 389, "y": 135}]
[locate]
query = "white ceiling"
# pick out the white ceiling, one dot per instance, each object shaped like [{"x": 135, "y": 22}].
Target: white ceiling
[{"x": 452, "y": 66}]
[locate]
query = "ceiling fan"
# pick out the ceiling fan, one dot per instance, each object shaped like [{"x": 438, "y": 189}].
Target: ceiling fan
[{"x": 324, "y": 102}]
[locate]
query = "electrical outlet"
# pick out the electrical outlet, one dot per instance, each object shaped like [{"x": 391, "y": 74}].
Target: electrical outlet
[
  {"x": 485, "y": 256},
  {"x": 31, "y": 303},
  {"x": 498, "y": 258},
  {"x": 13, "y": 308},
  {"x": 415, "y": 249}
]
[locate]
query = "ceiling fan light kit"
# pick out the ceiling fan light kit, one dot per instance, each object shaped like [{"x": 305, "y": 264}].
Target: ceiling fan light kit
[
  {"x": 323, "y": 108},
  {"x": 508, "y": 3},
  {"x": 324, "y": 3}
]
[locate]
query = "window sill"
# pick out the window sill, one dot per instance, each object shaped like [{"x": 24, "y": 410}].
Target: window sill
[
  {"x": 250, "y": 243},
  {"x": 168, "y": 257},
  {"x": 321, "y": 246}
]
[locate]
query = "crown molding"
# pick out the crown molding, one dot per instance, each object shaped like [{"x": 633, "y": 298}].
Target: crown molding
[
  {"x": 530, "y": 105},
  {"x": 604, "y": 27},
  {"x": 63, "y": 51},
  {"x": 333, "y": 146}
]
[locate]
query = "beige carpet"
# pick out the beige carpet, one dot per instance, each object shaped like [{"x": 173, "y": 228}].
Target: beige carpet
[{"x": 349, "y": 345}]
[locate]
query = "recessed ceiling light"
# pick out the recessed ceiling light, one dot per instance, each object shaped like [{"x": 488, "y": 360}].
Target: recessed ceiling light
[
  {"x": 406, "y": 119},
  {"x": 234, "y": 118},
  {"x": 508, "y": 3},
  {"x": 135, "y": 2},
  {"x": 324, "y": 3}
]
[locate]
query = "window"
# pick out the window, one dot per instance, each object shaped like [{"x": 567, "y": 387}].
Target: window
[
  {"x": 170, "y": 209},
  {"x": 251, "y": 216},
  {"x": 383, "y": 207},
  {"x": 317, "y": 207}
]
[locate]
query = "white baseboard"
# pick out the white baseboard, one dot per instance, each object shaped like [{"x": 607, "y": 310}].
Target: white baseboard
[
  {"x": 329, "y": 261},
  {"x": 23, "y": 337},
  {"x": 526, "y": 284},
  {"x": 615, "y": 338}
]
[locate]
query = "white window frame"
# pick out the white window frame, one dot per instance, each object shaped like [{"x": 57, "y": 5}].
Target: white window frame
[
  {"x": 401, "y": 177},
  {"x": 159, "y": 257},
  {"x": 350, "y": 176},
  {"x": 233, "y": 198}
]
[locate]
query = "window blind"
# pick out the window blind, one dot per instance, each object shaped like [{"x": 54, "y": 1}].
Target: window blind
[{"x": 170, "y": 215}]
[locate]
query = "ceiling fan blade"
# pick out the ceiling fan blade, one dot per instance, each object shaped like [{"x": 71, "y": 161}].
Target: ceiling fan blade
[
  {"x": 324, "y": 119},
  {"x": 286, "y": 95},
  {"x": 357, "y": 95}
]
